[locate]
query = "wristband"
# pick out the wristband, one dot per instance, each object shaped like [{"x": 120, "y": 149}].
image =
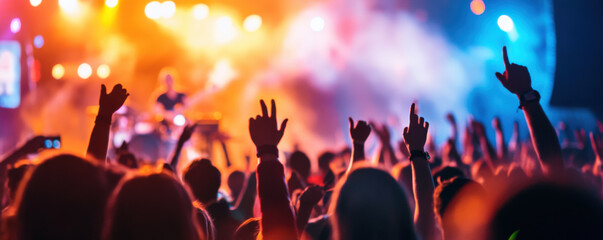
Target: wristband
[
  {"x": 419, "y": 154},
  {"x": 102, "y": 119},
  {"x": 528, "y": 97},
  {"x": 267, "y": 149}
]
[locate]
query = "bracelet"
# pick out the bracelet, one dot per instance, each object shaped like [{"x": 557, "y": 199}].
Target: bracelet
[
  {"x": 528, "y": 97},
  {"x": 267, "y": 149},
  {"x": 103, "y": 119},
  {"x": 419, "y": 154}
]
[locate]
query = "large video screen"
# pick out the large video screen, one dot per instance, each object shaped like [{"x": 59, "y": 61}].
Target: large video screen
[{"x": 10, "y": 74}]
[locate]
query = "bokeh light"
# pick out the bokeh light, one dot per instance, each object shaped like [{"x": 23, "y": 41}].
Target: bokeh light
[
  {"x": 38, "y": 41},
  {"x": 224, "y": 30},
  {"x": 69, "y": 6},
  {"x": 111, "y": 3},
  {"x": 505, "y": 23},
  {"x": 168, "y": 9},
  {"x": 200, "y": 11},
  {"x": 58, "y": 71},
  {"x": 103, "y": 71},
  {"x": 15, "y": 25},
  {"x": 153, "y": 10},
  {"x": 252, "y": 23},
  {"x": 35, "y": 3},
  {"x": 179, "y": 120},
  {"x": 478, "y": 7},
  {"x": 317, "y": 24},
  {"x": 84, "y": 71}
]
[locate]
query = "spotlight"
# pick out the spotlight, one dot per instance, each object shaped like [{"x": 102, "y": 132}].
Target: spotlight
[
  {"x": 111, "y": 3},
  {"x": 35, "y": 3},
  {"x": 252, "y": 23},
  {"x": 478, "y": 7},
  {"x": 200, "y": 11},
  {"x": 69, "y": 6},
  {"x": 58, "y": 71},
  {"x": 224, "y": 30},
  {"x": 505, "y": 23},
  {"x": 168, "y": 9},
  {"x": 317, "y": 24},
  {"x": 153, "y": 10},
  {"x": 179, "y": 120},
  {"x": 103, "y": 71},
  {"x": 84, "y": 71},
  {"x": 38, "y": 41},
  {"x": 15, "y": 25}
]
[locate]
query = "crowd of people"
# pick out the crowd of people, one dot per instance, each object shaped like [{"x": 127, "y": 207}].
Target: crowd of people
[{"x": 534, "y": 189}]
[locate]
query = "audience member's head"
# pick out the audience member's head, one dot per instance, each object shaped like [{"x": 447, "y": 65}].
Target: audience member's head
[
  {"x": 249, "y": 230},
  {"x": 155, "y": 206},
  {"x": 300, "y": 163},
  {"x": 370, "y": 204},
  {"x": 64, "y": 197},
  {"x": 458, "y": 203},
  {"x": 324, "y": 160},
  {"x": 128, "y": 160},
  {"x": 204, "y": 180},
  {"x": 446, "y": 173},
  {"x": 236, "y": 182}
]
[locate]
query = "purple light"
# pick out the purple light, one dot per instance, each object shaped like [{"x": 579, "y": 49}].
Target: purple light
[
  {"x": 15, "y": 25},
  {"x": 38, "y": 41}
]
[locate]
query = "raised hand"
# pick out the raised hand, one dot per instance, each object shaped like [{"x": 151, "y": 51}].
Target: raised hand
[
  {"x": 33, "y": 145},
  {"x": 516, "y": 78},
  {"x": 597, "y": 144},
  {"x": 187, "y": 132},
  {"x": 311, "y": 195},
  {"x": 415, "y": 134},
  {"x": 264, "y": 130},
  {"x": 109, "y": 103},
  {"x": 359, "y": 133},
  {"x": 382, "y": 133}
]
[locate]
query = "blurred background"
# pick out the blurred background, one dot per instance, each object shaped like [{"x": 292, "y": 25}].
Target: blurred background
[{"x": 322, "y": 60}]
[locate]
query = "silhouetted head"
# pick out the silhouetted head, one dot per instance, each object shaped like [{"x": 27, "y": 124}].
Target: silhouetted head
[
  {"x": 549, "y": 211},
  {"x": 370, "y": 204},
  {"x": 128, "y": 160},
  {"x": 236, "y": 182},
  {"x": 446, "y": 173},
  {"x": 62, "y": 198},
  {"x": 459, "y": 203},
  {"x": 14, "y": 176},
  {"x": 204, "y": 180},
  {"x": 154, "y": 206},
  {"x": 248, "y": 230},
  {"x": 324, "y": 160},
  {"x": 299, "y": 162}
]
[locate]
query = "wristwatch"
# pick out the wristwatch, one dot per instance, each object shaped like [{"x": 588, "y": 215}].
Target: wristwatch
[
  {"x": 528, "y": 97},
  {"x": 418, "y": 154}
]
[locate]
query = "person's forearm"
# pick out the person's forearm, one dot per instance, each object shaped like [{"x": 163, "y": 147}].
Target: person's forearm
[
  {"x": 423, "y": 188},
  {"x": 303, "y": 215},
  {"x": 176, "y": 155},
  {"x": 99, "y": 138},
  {"x": 501, "y": 147},
  {"x": 278, "y": 219},
  {"x": 544, "y": 137}
]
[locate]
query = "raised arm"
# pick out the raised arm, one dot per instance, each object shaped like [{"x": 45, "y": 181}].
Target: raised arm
[
  {"x": 278, "y": 219},
  {"x": 597, "y": 146},
  {"x": 415, "y": 136},
  {"x": 517, "y": 80},
  {"x": 247, "y": 200},
  {"x": 186, "y": 134},
  {"x": 108, "y": 104},
  {"x": 501, "y": 145},
  {"x": 359, "y": 134},
  {"x": 387, "y": 154},
  {"x": 308, "y": 199}
]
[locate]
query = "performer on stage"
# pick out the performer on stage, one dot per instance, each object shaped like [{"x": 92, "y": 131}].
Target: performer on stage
[{"x": 170, "y": 103}]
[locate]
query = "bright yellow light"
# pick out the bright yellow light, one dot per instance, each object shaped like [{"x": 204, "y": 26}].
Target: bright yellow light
[
  {"x": 111, "y": 3},
  {"x": 103, "y": 71},
  {"x": 200, "y": 11},
  {"x": 168, "y": 9},
  {"x": 153, "y": 10},
  {"x": 58, "y": 71},
  {"x": 69, "y": 6},
  {"x": 224, "y": 30},
  {"x": 252, "y": 23},
  {"x": 84, "y": 71},
  {"x": 35, "y": 3}
]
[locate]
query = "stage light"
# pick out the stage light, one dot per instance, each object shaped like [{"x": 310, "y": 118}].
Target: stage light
[
  {"x": 35, "y": 3},
  {"x": 505, "y": 23},
  {"x": 15, "y": 25},
  {"x": 69, "y": 6},
  {"x": 200, "y": 11},
  {"x": 224, "y": 30},
  {"x": 103, "y": 71},
  {"x": 111, "y": 3},
  {"x": 84, "y": 71},
  {"x": 317, "y": 24},
  {"x": 179, "y": 120},
  {"x": 478, "y": 7},
  {"x": 58, "y": 71},
  {"x": 168, "y": 9},
  {"x": 38, "y": 41},
  {"x": 153, "y": 10},
  {"x": 252, "y": 23}
]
